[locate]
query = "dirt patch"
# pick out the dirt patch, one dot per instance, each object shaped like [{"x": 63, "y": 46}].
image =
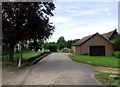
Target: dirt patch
[{"x": 107, "y": 70}]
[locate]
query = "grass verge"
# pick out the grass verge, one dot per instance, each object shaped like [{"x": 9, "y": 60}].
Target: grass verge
[
  {"x": 103, "y": 78},
  {"x": 97, "y": 60},
  {"x": 28, "y": 58}
]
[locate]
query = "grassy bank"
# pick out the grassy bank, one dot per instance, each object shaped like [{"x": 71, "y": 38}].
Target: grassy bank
[
  {"x": 103, "y": 78},
  {"x": 27, "y": 57},
  {"x": 97, "y": 60}
]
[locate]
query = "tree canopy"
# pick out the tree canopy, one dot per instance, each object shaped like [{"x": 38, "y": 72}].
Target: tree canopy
[
  {"x": 116, "y": 42},
  {"x": 61, "y": 43},
  {"x": 26, "y": 20}
]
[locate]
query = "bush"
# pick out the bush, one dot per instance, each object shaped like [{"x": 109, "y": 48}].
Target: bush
[
  {"x": 116, "y": 42},
  {"x": 85, "y": 54},
  {"x": 116, "y": 54},
  {"x": 24, "y": 48},
  {"x": 52, "y": 48}
]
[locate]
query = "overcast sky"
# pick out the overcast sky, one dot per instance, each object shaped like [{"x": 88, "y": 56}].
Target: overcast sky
[{"x": 74, "y": 20}]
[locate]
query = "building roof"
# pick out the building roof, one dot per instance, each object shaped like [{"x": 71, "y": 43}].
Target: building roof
[
  {"x": 106, "y": 36},
  {"x": 109, "y": 34},
  {"x": 83, "y": 40}
]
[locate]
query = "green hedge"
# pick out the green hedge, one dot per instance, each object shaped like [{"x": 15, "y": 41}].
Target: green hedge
[{"x": 116, "y": 54}]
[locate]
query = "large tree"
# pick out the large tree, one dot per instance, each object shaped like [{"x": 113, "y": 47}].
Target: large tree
[{"x": 26, "y": 20}]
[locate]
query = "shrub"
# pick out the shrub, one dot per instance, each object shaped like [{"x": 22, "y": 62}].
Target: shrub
[
  {"x": 116, "y": 42},
  {"x": 116, "y": 54},
  {"x": 53, "y": 48},
  {"x": 85, "y": 54},
  {"x": 24, "y": 48}
]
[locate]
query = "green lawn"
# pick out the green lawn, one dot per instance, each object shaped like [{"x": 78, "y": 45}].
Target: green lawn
[
  {"x": 97, "y": 60},
  {"x": 103, "y": 78}
]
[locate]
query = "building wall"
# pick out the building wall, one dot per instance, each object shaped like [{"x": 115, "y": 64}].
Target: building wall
[
  {"x": 96, "y": 41},
  {"x": 76, "y": 49}
]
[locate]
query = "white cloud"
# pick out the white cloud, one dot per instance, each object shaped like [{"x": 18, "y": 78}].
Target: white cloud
[
  {"x": 71, "y": 10},
  {"x": 106, "y": 10},
  {"x": 82, "y": 31},
  {"x": 59, "y": 19},
  {"x": 75, "y": 22},
  {"x": 87, "y": 0}
]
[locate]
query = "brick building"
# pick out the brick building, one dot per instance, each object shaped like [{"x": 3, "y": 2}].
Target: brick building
[{"x": 95, "y": 45}]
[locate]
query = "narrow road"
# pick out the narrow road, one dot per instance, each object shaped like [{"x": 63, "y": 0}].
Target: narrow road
[{"x": 55, "y": 69}]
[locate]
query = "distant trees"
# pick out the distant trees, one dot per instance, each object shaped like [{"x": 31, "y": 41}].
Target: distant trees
[
  {"x": 62, "y": 43},
  {"x": 69, "y": 43},
  {"x": 52, "y": 46},
  {"x": 25, "y": 20},
  {"x": 59, "y": 45}
]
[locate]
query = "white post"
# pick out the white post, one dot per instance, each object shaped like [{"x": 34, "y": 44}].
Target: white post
[
  {"x": 19, "y": 49},
  {"x": 19, "y": 64}
]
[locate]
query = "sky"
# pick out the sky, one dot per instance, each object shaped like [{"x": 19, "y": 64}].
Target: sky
[{"x": 75, "y": 20}]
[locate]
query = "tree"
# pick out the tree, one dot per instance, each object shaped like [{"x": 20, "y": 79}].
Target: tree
[
  {"x": 26, "y": 20},
  {"x": 116, "y": 42},
  {"x": 69, "y": 43},
  {"x": 61, "y": 40},
  {"x": 61, "y": 43}
]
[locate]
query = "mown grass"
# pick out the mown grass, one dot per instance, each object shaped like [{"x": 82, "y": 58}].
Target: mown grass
[
  {"x": 97, "y": 60},
  {"x": 104, "y": 78}
]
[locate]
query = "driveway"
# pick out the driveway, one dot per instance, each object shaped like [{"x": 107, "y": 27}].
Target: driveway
[{"x": 55, "y": 69}]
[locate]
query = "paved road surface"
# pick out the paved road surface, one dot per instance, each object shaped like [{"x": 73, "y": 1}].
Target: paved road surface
[{"x": 55, "y": 69}]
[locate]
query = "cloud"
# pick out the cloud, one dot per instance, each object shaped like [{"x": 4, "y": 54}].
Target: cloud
[
  {"x": 87, "y": 0},
  {"x": 76, "y": 20},
  {"x": 106, "y": 10},
  {"x": 59, "y": 19},
  {"x": 91, "y": 29},
  {"x": 82, "y": 31},
  {"x": 72, "y": 11}
]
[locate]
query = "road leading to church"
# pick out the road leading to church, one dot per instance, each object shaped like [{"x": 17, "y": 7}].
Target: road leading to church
[{"x": 55, "y": 69}]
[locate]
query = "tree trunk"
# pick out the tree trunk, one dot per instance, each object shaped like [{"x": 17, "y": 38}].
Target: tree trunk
[{"x": 11, "y": 52}]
